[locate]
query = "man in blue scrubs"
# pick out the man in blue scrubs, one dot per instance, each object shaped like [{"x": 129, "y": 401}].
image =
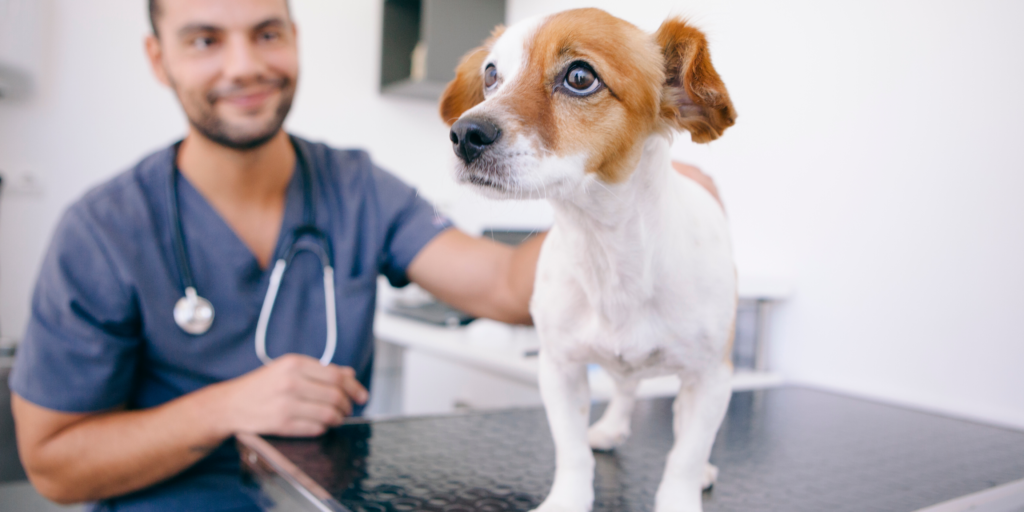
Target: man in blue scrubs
[
  {"x": 117, "y": 405},
  {"x": 114, "y": 402}
]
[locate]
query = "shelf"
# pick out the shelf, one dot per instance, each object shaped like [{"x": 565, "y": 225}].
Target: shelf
[{"x": 423, "y": 41}]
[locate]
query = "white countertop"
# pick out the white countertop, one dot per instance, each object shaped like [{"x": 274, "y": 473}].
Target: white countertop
[{"x": 503, "y": 350}]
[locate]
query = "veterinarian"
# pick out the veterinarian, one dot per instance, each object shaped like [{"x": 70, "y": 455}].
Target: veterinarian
[{"x": 142, "y": 355}]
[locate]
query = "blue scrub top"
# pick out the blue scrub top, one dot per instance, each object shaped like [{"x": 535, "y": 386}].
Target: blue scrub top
[{"x": 102, "y": 332}]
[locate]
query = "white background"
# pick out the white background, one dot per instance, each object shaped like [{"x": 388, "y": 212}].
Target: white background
[{"x": 877, "y": 164}]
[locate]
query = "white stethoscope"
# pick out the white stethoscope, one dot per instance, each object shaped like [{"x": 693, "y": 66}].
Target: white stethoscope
[{"x": 194, "y": 314}]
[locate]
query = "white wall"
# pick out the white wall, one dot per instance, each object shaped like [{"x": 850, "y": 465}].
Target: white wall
[
  {"x": 876, "y": 163},
  {"x": 94, "y": 111}
]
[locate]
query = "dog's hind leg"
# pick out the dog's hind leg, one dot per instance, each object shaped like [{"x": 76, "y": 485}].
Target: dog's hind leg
[
  {"x": 566, "y": 395},
  {"x": 698, "y": 412},
  {"x": 613, "y": 428}
]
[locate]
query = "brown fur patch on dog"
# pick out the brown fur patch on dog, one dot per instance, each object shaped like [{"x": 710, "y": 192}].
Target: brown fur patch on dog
[
  {"x": 467, "y": 89},
  {"x": 695, "y": 98},
  {"x": 651, "y": 83},
  {"x": 608, "y": 125}
]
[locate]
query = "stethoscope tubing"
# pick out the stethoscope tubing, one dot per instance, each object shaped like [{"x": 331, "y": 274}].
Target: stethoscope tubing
[
  {"x": 188, "y": 321},
  {"x": 268, "y": 307}
]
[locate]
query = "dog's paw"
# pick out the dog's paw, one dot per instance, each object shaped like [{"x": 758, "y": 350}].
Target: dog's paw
[
  {"x": 677, "y": 498},
  {"x": 603, "y": 436},
  {"x": 555, "y": 507},
  {"x": 572, "y": 494},
  {"x": 710, "y": 476}
]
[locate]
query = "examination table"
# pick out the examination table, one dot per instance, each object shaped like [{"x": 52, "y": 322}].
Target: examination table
[{"x": 785, "y": 449}]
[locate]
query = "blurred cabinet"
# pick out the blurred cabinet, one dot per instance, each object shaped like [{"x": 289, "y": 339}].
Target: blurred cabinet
[
  {"x": 423, "y": 41},
  {"x": 22, "y": 26}
]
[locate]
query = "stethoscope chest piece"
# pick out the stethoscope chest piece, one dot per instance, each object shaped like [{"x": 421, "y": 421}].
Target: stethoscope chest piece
[{"x": 193, "y": 313}]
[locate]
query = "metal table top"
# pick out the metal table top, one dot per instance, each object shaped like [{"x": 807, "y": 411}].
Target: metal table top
[{"x": 783, "y": 449}]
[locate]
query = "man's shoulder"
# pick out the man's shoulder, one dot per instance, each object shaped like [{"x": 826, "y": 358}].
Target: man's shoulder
[
  {"x": 348, "y": 165},
  {"x": 345, "y": 160},
  {"x": 127, "y": 197},
  {"x": 353, "y": 173}
]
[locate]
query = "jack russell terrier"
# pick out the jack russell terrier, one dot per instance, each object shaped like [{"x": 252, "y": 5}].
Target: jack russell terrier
[{"x": 637, "y": 273}]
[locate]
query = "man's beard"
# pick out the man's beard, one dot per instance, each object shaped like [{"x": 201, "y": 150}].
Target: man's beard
[{"x": 210, "y": 125}]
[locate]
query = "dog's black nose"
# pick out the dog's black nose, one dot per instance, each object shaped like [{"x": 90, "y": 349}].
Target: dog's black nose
[{"x": 470, "y": 137}]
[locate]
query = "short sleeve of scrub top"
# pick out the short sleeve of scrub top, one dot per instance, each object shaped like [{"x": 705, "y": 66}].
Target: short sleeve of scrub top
[
  {"x": 79, "y": 352},
  {"x": 102, "y": 334}
]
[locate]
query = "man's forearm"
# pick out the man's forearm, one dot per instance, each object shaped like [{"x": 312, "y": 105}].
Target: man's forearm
[
  {"x": 79, "y": 457},
  {"x": 118, "y": 452},
  {"x": 522, "y": 272}
]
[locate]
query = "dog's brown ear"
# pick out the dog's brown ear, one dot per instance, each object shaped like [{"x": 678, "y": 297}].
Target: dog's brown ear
[
  {"x": 694, "y": 98},
  {"x": 467, "y": 89}
]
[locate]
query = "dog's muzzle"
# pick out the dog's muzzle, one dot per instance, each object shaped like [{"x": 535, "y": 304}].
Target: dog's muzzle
[{"x": 471, "y": 137}]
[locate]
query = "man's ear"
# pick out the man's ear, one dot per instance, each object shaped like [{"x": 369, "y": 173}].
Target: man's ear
[
  {"x": 467, "y": 89},
  {"x": 694, "y": 98},
  {"x": 154, "y": 54}
]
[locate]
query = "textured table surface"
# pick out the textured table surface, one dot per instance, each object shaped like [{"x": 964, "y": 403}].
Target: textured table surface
[{"x": 785, "y": 449}]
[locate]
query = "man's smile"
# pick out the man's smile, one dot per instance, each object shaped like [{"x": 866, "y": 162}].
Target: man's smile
[{"x": 250, "y": 100}]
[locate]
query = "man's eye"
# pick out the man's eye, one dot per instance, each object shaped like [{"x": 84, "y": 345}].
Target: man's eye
[
  {"x": 270, "y": 36},
  {"x": 202, "y": 43}
]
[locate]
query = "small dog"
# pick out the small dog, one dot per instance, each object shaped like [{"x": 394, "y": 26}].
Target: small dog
[{"x": 636, "y": 274}]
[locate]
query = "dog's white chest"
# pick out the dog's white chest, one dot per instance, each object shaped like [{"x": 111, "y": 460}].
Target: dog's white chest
[{"x": 638, "y": 304}]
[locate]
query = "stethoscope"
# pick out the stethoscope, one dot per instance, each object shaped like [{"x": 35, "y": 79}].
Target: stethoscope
[{"x": 194, "y": 314}]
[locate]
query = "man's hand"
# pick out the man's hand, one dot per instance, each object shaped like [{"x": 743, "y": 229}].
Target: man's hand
[
  {"x": 292, "y": 396},
  {"x": 702, "y": 179},
  {"x": 74, "y": 457}
]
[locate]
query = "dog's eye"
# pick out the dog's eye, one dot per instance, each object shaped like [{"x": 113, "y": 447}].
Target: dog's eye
[
  {"x": 580, "y": 79},
  {"x": 490, "y": 76}
]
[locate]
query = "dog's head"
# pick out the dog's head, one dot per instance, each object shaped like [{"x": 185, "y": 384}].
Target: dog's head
[{"x": 551, "y": 102}]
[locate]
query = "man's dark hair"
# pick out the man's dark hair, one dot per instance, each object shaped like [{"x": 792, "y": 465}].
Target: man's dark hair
[{"x": 155, "y": 12}]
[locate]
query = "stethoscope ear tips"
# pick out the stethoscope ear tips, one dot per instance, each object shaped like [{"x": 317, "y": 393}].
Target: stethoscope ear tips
[{"x": 193, "y": 313}]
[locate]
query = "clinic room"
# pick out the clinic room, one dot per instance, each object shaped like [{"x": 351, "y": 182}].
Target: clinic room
[{"x": 511, "y": 255}]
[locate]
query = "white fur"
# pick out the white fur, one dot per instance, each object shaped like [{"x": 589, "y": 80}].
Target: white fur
[
  {"x": 639, "y": 278},
  {"x": 509, "y": 52},
  {"x": 636, "y": 276}
]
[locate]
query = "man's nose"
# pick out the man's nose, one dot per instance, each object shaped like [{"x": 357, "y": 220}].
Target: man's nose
[
  {"x": 470, "y": 137},
  {"x": 242, "y": 59}
]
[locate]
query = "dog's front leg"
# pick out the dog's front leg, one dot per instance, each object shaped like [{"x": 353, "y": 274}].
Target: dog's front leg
[
  {"x": 566, "y": 395},
  {"x": 614, "y": 426},
  {"x": 698, "y": 412}
]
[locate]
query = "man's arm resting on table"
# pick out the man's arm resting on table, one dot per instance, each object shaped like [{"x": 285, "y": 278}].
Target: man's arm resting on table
[
  {"x": 489, "y": 279},
  {"x": 479, "y": 276},
  {"x": 84, "y": 457},
  {"x": 702, "y": 179}
]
